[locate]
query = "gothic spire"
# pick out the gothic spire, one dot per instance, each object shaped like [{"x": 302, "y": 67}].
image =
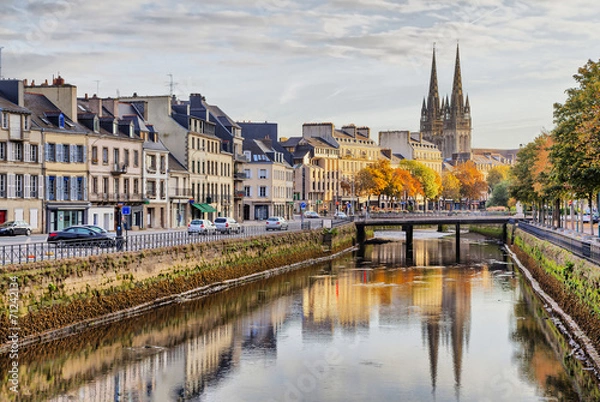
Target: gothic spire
[
  {"x": 433, "y": 100},
  {"x": 457, "y": 92}
]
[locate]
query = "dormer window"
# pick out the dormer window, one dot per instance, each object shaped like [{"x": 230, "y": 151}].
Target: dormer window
[
  {"x": 26, "y": 123},
  {"x": 96, "y": 124},
  {"x": 61, "y": 121},
  {"x": 4, "y": 120},
  {"x": 115, "y": 128}
]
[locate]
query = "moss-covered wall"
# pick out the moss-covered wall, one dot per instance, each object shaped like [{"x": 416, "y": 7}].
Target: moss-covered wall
[
  {"x": 573, "y": 282},
  {"x": 55, "y": 294}
]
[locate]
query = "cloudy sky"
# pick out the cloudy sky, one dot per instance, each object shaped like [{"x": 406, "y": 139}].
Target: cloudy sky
[{"x": 365, "y": 62}]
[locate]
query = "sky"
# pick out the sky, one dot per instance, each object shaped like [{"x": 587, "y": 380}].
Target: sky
[{"x": 362, "y": 62}]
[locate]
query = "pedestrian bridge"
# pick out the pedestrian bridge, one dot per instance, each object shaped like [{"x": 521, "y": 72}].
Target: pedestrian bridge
[{"x": 408, "y": 221}]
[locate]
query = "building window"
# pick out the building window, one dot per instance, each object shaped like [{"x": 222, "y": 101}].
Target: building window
[
  {"x": 126, "y": 157},
  {"x": 247, "y": 192},
  {"x": 95, "y": 185},
  {"x": 95, "y": 155},
  {"x": 247, "y": 173},
  {"x": 116, "y": 155},
  {"x": 3, "y": 185},
  {"x": 152, "y": 163},
  {"x": 19, "y": 186},
  {"x": 136, "y": 158},
  {"x": 33, "y": 153},
  {"x": 51, "y": 188},
  {"x": 136, "y": 186},
  {"x": 66, "y": 153},
  {"x": 18, "y": 151},
  {"x": 26, "y": 123},
  {"x": 262, "y": 191},
  {"x": 2, "y": 151},
  {"x": 262, "y": 173},
  {"x": 105, "y": 185},
  {"x": 116, "y": 185},
  {"x": 80, "y": 188},
  {"x": 4, "y": 120},
  {"x": 80, "y": 154},
  {"x": 34, "y": 185},
  {"x": 126, "y": 186},
  {"x": 105, "y": 156},
  {"x": 163, "y": 164},
  {"x": 66, "y": 188}
]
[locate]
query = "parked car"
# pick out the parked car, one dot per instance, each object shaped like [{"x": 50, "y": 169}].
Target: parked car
[
  {"x": 13, "y": 228},
  {"x": 586, "y": 218},
  {"x": 227, "y": 225},
  {"x": 101, "y": 230},
  {"x": 277, "y": 223},
  {"x": 311, "y": 214},
  {"x": 81, "y": 235},
  {"x": 340, "y": 215},
  {"x": 201, "y": 226}
]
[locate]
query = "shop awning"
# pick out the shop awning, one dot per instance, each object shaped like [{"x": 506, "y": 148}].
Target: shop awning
[{"x": 204, "y": 207}]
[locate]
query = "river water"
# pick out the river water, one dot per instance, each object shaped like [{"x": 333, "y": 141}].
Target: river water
[{"x": 364, "y": 327}]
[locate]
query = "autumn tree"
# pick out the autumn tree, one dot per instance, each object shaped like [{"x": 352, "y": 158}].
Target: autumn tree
[
  {"x": 471, "y": 181},
  {"x": 429, "y": 179},
  {"x": 450, "y": 186}
]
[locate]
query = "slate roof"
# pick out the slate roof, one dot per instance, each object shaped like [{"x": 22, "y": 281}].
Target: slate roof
[{"x": 44, "y": 113}]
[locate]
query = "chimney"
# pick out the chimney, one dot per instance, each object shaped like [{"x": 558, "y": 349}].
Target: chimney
[
  {"x": 112, "y": 105},
  {"x": 96, "y": 105},
  {"x": 13, "y": 91},
  {"x": 63, "y": 96}
]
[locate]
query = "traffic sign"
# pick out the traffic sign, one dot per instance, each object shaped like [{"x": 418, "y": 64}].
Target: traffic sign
[
  {"x": 302, "y": 205},
  {"x": 125, "y": 210}
]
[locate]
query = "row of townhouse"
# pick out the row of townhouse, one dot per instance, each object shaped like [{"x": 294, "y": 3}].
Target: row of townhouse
[{"x": 66, "y": 160}]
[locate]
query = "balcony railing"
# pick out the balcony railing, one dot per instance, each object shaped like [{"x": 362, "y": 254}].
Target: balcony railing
[
  {"x": 239, "y": 194},
  {"x": 115, "y": 197},
  {"x": 240, "y": 158},
  {"x": 119, "y": 168},
  {"x": 180, "y": 192},
  {"x": 239, "y": 176}
]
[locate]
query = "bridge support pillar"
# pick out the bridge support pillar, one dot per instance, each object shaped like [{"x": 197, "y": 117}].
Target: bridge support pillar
[
  {"x": 440, "y": 228},
  {"x": 408, "y": 229},
  {"x": 504, "y": 233},
  {"x": 457, "y": 246}
]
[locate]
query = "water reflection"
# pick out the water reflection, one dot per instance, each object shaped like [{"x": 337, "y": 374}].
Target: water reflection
[{"x": 359, "y": 328}]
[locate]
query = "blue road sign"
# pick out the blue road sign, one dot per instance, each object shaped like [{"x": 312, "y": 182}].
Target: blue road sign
[
  {"x": 125, "y": 210},
  {"x": 302, "y": 205}
]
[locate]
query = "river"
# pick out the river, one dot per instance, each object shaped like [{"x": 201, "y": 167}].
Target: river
[{"x": 364, "y": 327}]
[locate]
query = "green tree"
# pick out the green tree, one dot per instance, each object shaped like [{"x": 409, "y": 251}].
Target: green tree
[
  {"x": 430, "y": 180},
  {"x": 575, "y": 155},
  {"x": 497, "y": 175},
  {"x": 500, "y": 195}
]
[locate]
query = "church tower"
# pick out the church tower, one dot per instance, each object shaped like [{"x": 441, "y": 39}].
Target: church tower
[
  {"x": 457, "y": 118},
  {"x": 432, "y": 123}
]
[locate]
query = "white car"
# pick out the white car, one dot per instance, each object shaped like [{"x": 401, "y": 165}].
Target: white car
[
  {"x": 277, "y": 223},
  {"x": 340, "y": 215},
  {"x": 201, "y": 226},
  {"x": 227, "y": 225}
]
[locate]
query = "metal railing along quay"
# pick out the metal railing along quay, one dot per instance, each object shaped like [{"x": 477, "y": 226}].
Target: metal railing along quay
[
  {"x": 41, "y": 250},
  {"x": 582, "y": 245}
]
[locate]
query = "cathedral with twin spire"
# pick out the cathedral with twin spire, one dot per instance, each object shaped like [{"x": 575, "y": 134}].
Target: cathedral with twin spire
[{"x": 447, "y": 124}]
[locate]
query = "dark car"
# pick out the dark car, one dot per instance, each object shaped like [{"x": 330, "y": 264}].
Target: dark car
[
  {"x": 75, "y": 236},
  {"x": 13, "y": 228}
]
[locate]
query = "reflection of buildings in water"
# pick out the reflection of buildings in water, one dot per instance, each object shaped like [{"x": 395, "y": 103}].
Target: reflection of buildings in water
[
  {"x": 134, "y": 382},
  {"x": 426, "y": 252},
  {"x": 345, "y": 300},
  {"x": 205, "y": 356}
]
